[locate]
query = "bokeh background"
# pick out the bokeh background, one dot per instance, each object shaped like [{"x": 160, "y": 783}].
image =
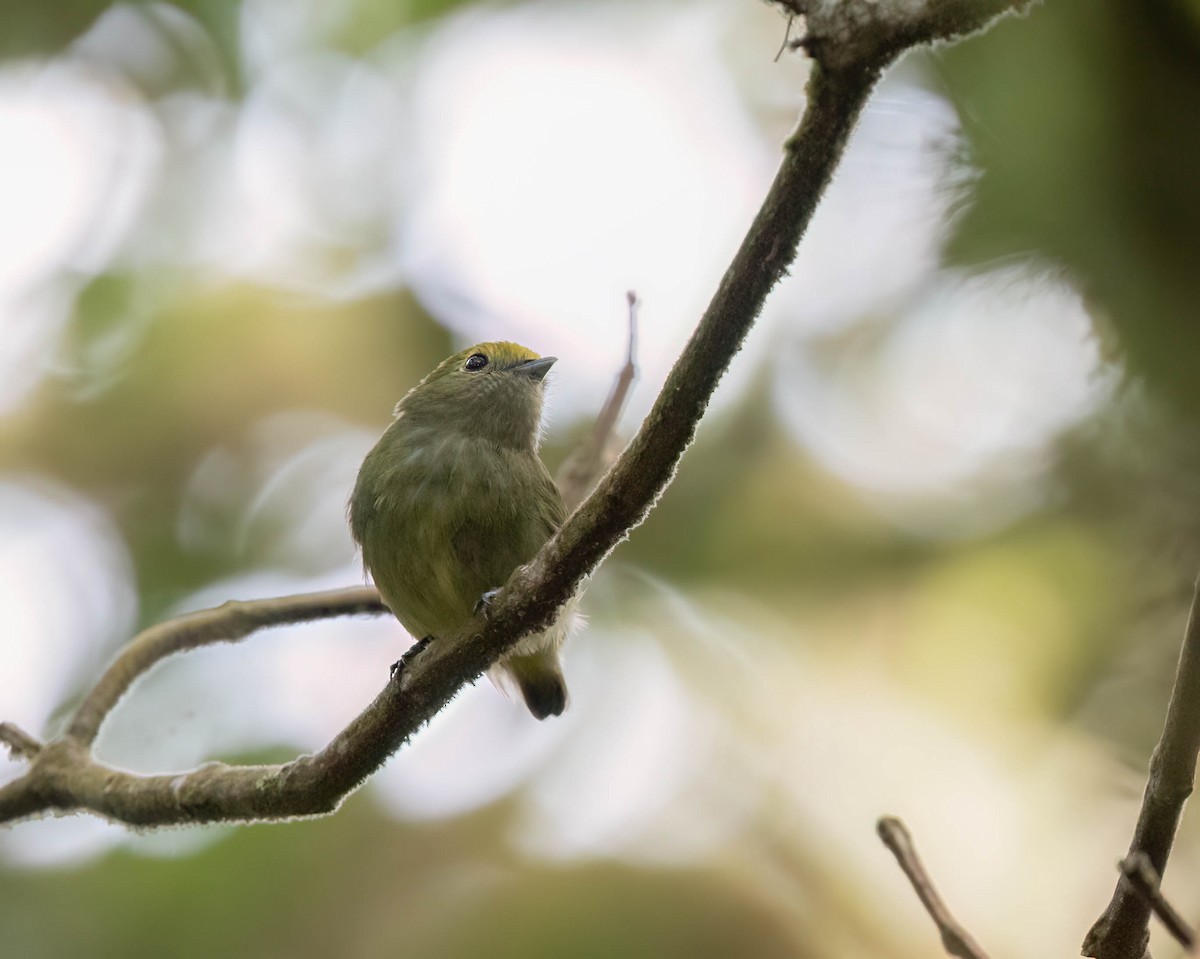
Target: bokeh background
[{"x": 930, "y": 555}]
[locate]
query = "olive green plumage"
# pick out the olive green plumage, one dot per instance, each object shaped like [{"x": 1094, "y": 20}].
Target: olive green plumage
[{"x": 454, "y": 497}]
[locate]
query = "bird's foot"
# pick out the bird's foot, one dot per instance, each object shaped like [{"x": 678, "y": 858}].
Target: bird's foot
[
  {"x": 410, "y": 654},
  {"x": 485, "y": 602}
]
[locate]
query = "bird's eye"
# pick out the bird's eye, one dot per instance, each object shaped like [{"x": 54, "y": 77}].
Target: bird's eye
[{"x": 475, "y": 363}]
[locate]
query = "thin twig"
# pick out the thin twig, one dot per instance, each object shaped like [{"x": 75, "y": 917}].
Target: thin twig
[
  {"x": 787, "y": 35},
  {"x": 229, "y": 623},
  {"x": 580, "y": 471},
  {"x": 1123, "y": 929},
  {"x": 1145, "y": 882},
  {"x": 955, "y": 939}
]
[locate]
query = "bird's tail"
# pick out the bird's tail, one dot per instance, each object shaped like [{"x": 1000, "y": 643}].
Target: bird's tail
[{"x": 539, "y": 679}]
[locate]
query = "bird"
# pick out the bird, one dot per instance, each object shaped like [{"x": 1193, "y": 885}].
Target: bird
[{"x": 454, "y": 497}]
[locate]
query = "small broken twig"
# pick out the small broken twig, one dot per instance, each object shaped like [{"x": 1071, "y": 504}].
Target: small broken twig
[
  {"x": 19, "y": 742},
  {"x": 584, "y": 467},
  {"x": 955, "y": 939},
  {"x": 787, "y": 35},
  {"x": 1143, "y": 879}
]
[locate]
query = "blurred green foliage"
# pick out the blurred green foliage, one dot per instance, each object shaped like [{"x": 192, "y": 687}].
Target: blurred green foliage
[
  {"x": 358, "y": 885},
  {"x": 28, "y": 33},
  {"x": 1086, "y": 157},
  {"x": 207, "y": 366}
]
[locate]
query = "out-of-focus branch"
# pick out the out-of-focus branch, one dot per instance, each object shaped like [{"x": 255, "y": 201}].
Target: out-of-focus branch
[
  {"x": 955, "y": 939},
  {"x": 851, "y": 42},
  {"x": 1145, "y": 882},
  {"x": 1122, "y": 931},
  {"x": 588, "y": 461}
]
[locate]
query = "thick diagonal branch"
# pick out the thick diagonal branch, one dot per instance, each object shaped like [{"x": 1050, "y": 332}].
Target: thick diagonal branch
[{"x": 63, "y": 775}]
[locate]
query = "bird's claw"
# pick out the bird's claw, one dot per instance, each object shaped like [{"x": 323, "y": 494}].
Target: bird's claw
[
  {"x": 485, "y": 601},
  {"x": 410, "y": 654}
]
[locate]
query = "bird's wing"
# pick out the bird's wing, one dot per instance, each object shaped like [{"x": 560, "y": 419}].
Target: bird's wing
[{"x": 492, "y": 542}]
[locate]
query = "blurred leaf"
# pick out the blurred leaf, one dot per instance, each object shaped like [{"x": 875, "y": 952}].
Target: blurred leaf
[
  {"x": 1087, "y": 158},
  {"x": 358, "y": 885},
  {"x": 33, "y": 29},
  {"x": 363, "y": 24},
  {"x": 139, "y": 408}
]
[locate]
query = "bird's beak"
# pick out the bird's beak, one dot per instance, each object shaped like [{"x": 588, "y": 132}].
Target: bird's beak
[{"x": 536, "y": 369}]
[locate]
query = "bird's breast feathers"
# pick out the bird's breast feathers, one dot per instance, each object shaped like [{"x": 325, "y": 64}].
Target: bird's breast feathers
[{"x": 450, "y": 519}]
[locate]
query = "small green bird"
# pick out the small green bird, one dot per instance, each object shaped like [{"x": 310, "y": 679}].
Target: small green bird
[{"x": 454, "y": 497}]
